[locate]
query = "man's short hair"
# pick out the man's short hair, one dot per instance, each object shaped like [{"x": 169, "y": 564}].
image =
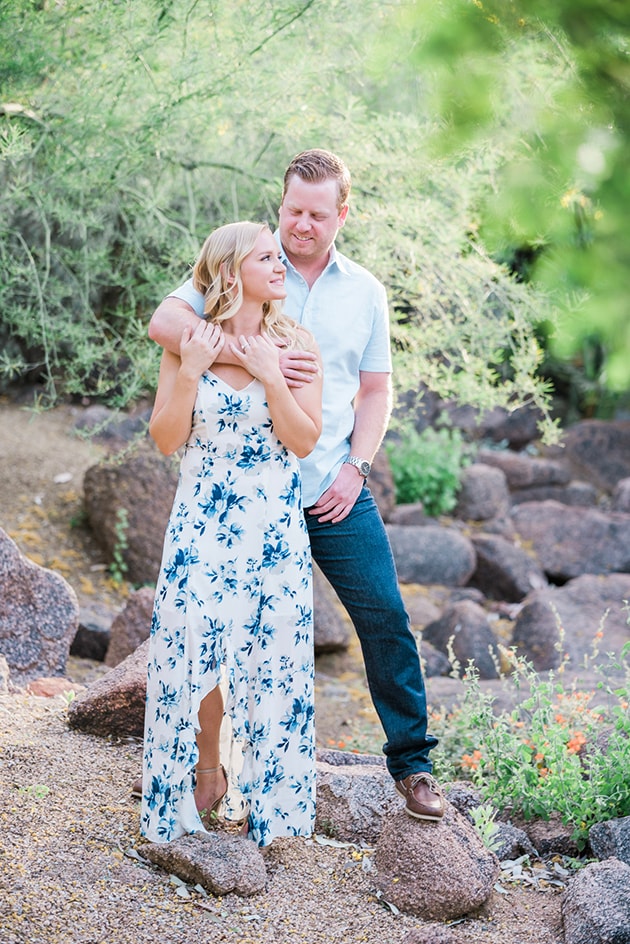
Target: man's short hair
[{"x": 317, "y": 165}]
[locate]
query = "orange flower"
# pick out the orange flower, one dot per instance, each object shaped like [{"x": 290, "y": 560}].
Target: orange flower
[
  {"x": 538, "y": 757},
  {"x": 471, "y": 761},
  {"x": 575, "y": 743},
  {"x": 560, "y": 719}
]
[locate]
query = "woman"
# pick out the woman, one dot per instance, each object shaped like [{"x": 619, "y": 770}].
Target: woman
[{"x": 234, "y": 598}]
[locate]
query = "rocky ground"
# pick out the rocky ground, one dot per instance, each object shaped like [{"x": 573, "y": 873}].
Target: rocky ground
[{"x": 70, "y": 852}]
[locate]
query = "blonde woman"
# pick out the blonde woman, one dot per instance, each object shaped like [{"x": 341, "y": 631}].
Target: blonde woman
[{"x": 233, "y": 599}]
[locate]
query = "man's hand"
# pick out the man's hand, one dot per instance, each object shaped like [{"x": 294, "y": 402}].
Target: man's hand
[
  {"x": 337, "y": 502},
  {"x": 298, "y": 367}
]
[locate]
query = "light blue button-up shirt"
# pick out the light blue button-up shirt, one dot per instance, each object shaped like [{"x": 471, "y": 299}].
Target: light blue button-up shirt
[{"x": 346, "y": 310}]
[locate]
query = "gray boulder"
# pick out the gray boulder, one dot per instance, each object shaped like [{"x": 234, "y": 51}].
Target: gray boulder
[
  {"x": 332, "y": 628},
  {"x": 131, "y": 627},
  {"x": 432, "y": 554},
  {"x": 382, "y": 486},
  {"x": 560, "y": 620},
  {"x": 524, "y": 471},
  {"x": 569, "y": 542},
  {"x": 483, "y": 493},
  {"x": 352, "y": 800},
  {"x": 446, "y": 871},
  {"x": 596, "y": 904},
  {"x": 579, "y": 494},
  {"x": 465, "y": 626},
  {"x": 39, "y": 616},
  {"x": 596, "y": 451},
  {"x": 114, "y": 703},
  {"x": 141, "y": 487},
  {"x": 620, "y": 499},
  {"x": 611, "y": 839},
  {"x": 504, "y": 570},
  {"x": 223, "y": 864}
]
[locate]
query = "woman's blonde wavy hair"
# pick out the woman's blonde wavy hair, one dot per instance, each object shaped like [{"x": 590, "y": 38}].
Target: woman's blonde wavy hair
[{"x": 217, "y": 274}]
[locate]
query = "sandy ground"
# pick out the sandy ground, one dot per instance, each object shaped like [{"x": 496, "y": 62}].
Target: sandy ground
[{"x": 70, "y": 851}]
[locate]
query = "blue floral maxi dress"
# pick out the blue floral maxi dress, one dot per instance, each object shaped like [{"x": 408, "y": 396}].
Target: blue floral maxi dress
[{"x": 233, "y": 601}]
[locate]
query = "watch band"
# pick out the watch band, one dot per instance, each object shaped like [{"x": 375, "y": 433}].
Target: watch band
[{"x": 362, "y": 465}]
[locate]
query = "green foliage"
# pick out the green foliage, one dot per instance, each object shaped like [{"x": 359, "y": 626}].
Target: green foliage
[
  {"x": 118, "y": 566},
  {"x": 427, "y": 466},
  {"x": 560, "y": 750},
  {"x": 128, "y": 130},
  {"x": 547, "y": 84},
  {"x": 483, "y": 818}
]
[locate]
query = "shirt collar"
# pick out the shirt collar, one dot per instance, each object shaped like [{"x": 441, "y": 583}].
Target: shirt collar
[{"x": 335, "y": 258}]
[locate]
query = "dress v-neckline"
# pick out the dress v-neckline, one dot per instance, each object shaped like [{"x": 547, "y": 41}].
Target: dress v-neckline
[{"x": 229, "y": 385}]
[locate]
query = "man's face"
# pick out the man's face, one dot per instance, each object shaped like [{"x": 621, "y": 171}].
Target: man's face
[{"x": 309, "y": 219}]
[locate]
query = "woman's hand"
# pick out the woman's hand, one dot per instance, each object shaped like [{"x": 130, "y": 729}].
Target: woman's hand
[
  {"x": 259, "y": 355},
  {"x": 199, "y": 347}
]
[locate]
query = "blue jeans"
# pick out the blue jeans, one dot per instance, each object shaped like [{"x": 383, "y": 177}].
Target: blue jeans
[{"x": 356, "y": 557}]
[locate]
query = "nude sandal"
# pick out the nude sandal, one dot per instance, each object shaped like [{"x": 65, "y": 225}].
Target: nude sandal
[{"x": 209, "y": 816}]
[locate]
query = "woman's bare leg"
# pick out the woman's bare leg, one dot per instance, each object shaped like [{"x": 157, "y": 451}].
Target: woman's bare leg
[{"x": 212, "y": 783}]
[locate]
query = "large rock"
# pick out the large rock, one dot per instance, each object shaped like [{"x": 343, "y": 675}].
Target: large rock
[
  {"x": 505, "y": 571},
  {"x": 596, "y": 905},
  {"x": 465, "y": 627},
  {"x": 114, "y": 703},
  {"x": 332, "y": 628},
  {"x": 483, "y": 493},
  {"x": 437, "y": 871},
  {"x": 560, "y": 620},
  {"x": 141, "y": 487},
  {"x": 220, "y": 863},
  {"x": 596, "y": 451},
  {"x": 571, "y": 541},
  {"x": 131, "y": 627},
  {"x": 352, "y": 800},
  {"x": 432, "y": 554},
  {"x": 611, "y": 839},
  {"x": 620, "y": 498},
  {"x": 39, "y": 616},
  {"x": 524, "y": 471},
  {"x": 382, "y": 484}
]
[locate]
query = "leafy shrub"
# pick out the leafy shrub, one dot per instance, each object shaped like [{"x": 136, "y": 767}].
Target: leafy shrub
[
  {"x": 560, "y": 750},
  {"x": 427, "y": 466}
]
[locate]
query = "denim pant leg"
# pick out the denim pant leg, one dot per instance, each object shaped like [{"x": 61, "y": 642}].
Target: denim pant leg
[{"x": 356, "y": 557}]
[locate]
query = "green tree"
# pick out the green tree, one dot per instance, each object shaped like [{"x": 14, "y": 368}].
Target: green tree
[
  {"x": 128, "y": 130},
  {"x": 548, "y": 84}
]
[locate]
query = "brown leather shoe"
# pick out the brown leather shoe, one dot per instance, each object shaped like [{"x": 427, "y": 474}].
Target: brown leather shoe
[
  {"x": 424, "y": 797},
  {"x": 136, "y": 788}
]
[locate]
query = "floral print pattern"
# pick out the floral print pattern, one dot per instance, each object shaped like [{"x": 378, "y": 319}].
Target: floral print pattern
[{"x": 233, "y": 605}]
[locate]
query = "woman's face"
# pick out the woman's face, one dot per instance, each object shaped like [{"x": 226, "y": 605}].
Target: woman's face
[{"x": 262, "y": 271}]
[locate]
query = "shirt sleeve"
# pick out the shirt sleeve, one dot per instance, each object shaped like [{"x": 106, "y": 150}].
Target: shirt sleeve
[
  {"x": 188, "y": 293},
  {"x": 377, "y": 356}
]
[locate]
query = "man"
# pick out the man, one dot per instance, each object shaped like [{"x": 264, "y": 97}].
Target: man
[{"x": 346, "y": 309}]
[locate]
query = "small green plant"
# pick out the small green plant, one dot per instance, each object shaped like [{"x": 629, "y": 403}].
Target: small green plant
[
  {"x": 36, "y": 790},
  {"x": 559, "y": 750},
  {"x": 427, "y": 467},
  {"x": 118, "y": 567},
  {"x": 483, "y": 818}
]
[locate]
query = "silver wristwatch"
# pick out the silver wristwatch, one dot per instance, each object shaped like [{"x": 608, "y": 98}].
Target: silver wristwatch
[{"x": 361, "y": 464}]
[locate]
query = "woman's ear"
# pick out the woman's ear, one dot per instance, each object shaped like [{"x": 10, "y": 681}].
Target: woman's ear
[{"x": 227, "y": 276}]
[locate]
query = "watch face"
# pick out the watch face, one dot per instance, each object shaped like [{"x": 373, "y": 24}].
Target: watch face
[{"x": 364, "y": 468}]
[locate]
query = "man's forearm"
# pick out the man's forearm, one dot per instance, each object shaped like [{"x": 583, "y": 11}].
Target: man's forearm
[
  {"x": 168, "y": 322},
  {"x": 372, "y": 411}
]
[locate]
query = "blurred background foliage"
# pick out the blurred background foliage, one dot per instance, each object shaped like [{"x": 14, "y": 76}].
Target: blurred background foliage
[{"x": 487, "y": 143}]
